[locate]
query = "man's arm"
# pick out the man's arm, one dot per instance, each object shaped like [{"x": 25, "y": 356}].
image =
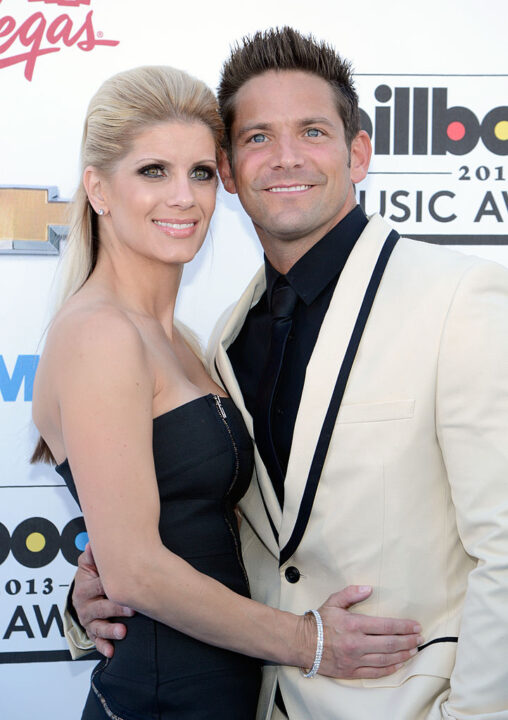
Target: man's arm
[
  {"x": 472, "y": 425},
  {"x": 87, "y": 594}
]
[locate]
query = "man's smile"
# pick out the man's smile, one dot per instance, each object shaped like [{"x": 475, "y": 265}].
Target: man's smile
[{"x": 289, "y": 188}]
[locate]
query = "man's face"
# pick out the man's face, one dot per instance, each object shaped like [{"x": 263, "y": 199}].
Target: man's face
[{"x": 290, "y": 164}]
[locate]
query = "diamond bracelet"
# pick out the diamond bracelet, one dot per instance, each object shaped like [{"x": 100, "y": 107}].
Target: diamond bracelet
[{"x": 319, "y": 647}]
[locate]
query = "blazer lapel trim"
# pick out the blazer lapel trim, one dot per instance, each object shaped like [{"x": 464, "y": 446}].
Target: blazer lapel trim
[{"x": 326, "y": 360}]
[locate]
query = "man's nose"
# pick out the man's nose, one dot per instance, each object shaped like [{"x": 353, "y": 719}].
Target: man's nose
[{"x": 288, "y": 153}]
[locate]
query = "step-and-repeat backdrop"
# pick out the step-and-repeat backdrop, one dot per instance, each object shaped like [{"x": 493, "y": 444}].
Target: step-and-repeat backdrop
[{"x": 434, "y": 100}]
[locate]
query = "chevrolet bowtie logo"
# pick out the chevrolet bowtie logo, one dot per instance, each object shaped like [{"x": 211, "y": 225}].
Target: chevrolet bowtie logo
[{"x": 32, "y": 220}]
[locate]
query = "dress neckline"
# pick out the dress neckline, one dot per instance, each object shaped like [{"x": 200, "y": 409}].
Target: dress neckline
[
  {"x": 157, "y": 418},
  {"x": 190, "y": 402}
]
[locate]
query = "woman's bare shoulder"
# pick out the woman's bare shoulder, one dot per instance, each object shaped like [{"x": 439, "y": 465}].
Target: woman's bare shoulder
[
  {"x": 95, "y": 344},
  {"x": 93, "y": 350},
  {"x": 92, "y": 326}
]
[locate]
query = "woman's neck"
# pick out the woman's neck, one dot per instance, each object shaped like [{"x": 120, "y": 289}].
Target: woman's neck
[{"x": 141, "y": 285}]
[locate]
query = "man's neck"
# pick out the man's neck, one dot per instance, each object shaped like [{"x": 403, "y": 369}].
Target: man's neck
[{"x": 283, "y": 254}]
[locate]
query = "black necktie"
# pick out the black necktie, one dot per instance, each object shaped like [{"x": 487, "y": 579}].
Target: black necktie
[{"x": 282, "y": 305}]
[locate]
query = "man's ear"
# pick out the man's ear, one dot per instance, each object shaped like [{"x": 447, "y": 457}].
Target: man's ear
[
  {"x": 361, "y": 151},
  {"x": 226, "y": 173},
  {"x": 93, "y": 186}
]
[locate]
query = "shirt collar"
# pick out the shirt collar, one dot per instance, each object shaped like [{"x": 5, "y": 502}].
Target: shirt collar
[{"x": 323, "y": 262}]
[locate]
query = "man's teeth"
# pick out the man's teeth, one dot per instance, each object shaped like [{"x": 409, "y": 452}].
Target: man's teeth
[
  {"x": 176, "y": 226},
  {"x": 293, "y": 188}
]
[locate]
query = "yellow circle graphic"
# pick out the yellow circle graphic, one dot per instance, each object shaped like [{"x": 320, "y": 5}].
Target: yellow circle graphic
[
  {"x": 35, "y": 542},
  {"x": 501, "y": 130}
]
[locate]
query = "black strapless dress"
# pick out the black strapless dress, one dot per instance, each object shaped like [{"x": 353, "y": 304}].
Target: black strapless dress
[{"x": 203, "y": 463}]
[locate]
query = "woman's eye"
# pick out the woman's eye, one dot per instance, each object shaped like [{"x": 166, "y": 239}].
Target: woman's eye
[
  {"x": 202, "y": 173},
  {"x": 313, "y": 132},
  {"x": 152, "y": 171},
  {"x": 258, "y": 138}
]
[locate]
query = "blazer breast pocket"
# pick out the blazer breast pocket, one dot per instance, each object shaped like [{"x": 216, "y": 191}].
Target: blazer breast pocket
[{"x": 376, "y": 412}]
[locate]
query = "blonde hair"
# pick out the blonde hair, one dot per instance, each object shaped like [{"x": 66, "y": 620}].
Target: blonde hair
[
  {"x": 121, "y": 109},
  {"x": 124, "y": 106}
]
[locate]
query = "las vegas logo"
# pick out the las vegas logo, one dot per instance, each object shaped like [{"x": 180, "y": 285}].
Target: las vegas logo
[{"x": 25, "y": 40}]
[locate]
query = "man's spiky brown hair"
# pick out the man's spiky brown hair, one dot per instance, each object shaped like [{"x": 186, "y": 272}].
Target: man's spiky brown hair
[{"x": 287, "y": 49}]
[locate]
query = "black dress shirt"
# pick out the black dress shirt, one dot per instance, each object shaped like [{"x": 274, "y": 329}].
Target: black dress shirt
[{"x": 314, "y": 278}]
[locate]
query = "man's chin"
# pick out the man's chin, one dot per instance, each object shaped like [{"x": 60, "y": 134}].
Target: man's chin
[{"x": 287, "y": 228}]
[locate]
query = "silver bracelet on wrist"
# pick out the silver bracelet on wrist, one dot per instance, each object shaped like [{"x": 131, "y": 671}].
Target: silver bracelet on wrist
[{"x": 319, "y": 646}]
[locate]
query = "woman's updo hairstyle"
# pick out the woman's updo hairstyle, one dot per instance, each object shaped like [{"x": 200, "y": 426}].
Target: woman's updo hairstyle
[{"x": 123, "y": 107}]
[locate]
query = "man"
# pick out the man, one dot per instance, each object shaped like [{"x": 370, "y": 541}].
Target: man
[{"x": 373, "y": 374}]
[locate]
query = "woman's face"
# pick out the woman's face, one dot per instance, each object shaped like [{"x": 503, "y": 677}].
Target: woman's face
[{"x": 161, "y": 195}]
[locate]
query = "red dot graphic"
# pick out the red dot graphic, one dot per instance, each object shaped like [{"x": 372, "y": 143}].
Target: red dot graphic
[{"x": 455, "y": 131}]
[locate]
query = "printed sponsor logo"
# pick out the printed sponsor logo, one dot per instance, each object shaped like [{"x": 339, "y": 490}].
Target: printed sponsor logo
[
  {"x": 421, "y": 126},
  {"x": 32, "y": 220},
  {"x": 35, "y": 543},
  {"x": 22, "y": 374},
  {"x": 26, "y": 39},
  {"x": 64, "y": 3},
  {"x": 31, "y": 594},
  {"x": 438, "y": 171}
]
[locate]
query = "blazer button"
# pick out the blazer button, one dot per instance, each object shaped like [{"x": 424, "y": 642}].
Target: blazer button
[{"x": 292, "y": 574}]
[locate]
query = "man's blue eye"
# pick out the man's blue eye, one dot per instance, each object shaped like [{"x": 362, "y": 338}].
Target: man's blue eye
[
  {"x": 314, "y": 132},
  {"x": 258, "y": 138}
]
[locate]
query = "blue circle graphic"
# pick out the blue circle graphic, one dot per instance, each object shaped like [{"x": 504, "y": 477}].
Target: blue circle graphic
[{"x": 81, "y": 540}]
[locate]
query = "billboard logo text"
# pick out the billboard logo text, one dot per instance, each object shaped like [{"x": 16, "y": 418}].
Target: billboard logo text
[{"x": 454, "y": 130}]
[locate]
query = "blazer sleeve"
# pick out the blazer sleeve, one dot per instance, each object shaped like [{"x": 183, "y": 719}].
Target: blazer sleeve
[
  {"x": 472, "y": 427},
  {"x": 78, "y": 641}
]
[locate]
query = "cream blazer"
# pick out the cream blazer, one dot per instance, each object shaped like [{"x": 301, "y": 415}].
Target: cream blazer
[{"x": 413, "y": 497}]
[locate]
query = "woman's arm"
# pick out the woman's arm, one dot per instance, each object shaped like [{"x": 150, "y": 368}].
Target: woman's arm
[{"x": 105, "y": 394}]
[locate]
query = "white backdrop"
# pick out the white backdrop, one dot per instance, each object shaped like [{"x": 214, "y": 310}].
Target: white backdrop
[{"x": 454, "y": 46}]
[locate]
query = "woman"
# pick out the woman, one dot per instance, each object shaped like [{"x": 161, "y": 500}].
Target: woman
[{"x": 156, "y": 453}]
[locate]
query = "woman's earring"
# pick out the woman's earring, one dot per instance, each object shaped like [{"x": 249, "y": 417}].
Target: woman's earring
[{"x": 100, "y": 212}]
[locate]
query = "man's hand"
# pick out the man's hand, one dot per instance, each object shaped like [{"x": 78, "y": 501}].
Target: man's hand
[
  {"x": 93, "y": 608},
  {"x": 361, "y": 646}
]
